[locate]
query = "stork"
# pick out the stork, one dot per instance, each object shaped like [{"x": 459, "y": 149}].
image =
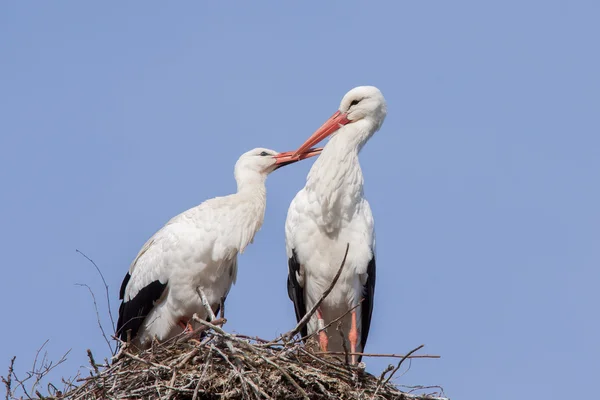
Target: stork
[
  {"x": 326, "y": 215},
  {"x": 196, "y": 249}
]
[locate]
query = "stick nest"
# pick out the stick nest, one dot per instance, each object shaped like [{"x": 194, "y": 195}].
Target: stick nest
[{"x": 227, "y": 366}]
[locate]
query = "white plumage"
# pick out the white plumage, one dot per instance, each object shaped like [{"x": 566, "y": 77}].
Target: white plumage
[
  {"x": 329, "y": 212},
  {"x": 196, "y": 249}
]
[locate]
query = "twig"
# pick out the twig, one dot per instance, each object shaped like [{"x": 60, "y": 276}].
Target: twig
[
  {"x": 188, "y": 357},
  {"x": 69, "y": 384},
  {"x": 235, "y": 370},
  {"x": 383, "y": 355},
  {"x": 255, "y": 338},
  {"x": 195, "y": 395},
  {"x": 287, "y": 376},
  {"x": 380, "y": 380},
  {"x": 254, "y": 350},
  {"x": 309, "y": 314},
  {"x": 34, "y": 368},
  {"x": 324, "y": 362},
  {"x": 205, "y": 303},
  {"x": 421, "y": 387},
  {"x": 401, "y": 361},
  {"x": 22, "y": 383},
  {"x": 216, "y": 322},
  {"x": 141, "y": 360},
  {"x": 205, "y": 368},
  {"x": 8, "y": 380},
  {"x": 53, "y": 390},
  {"x": 38, "y": 372},
  {"x": 419, "y": 397},
  {"x": 97, "y": 315},
  {"x": 213, "y": 327},
  {"x": 344, "y": 346},
  {"x": 37, "y": 354},
  {"x": 112, "y": 321},
  {"x": 172, "y": 383},
  {"x": 92, "y": 361}
]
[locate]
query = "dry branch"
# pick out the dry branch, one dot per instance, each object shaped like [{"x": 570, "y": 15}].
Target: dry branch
[
  {"x": 380, "y": 355},
  {"x": 97, "y": 314},
  {"x": 112, "y": 321},
  {"x": 402, "y": 360},
  {"x": 29, "y": 385}
]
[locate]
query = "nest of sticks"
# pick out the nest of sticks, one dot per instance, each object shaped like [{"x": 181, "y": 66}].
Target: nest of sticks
[
  {"x": 223, "y": 365},
  {"x": 230, "y": 366}
]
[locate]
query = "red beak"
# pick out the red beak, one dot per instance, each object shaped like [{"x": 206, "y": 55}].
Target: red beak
[
  {"x": 290, "y": 157},
  {"x": 335, "y": 122}
]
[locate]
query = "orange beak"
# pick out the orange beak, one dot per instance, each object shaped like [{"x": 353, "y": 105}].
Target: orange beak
[
  {"x": 335, "y": 122},
  {"x": 290, "y": 157}
]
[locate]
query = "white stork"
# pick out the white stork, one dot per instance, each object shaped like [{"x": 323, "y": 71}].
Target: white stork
[
  {"x": 196, "y": 249},
  {"x": 326, "y": 215}
]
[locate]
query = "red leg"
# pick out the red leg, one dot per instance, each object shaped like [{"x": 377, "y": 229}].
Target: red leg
[
  {"x": 185, "y": 325},
  {"x": 323, "y": 340},
  {"x": 353, "y": 336}
]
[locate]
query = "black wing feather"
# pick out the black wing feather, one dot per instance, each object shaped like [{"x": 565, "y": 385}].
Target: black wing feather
[
  {"x": 295, "y": 291},
  {"x": 367, "y": 304},
  {"x": 124, "y": 286},
  {"x": 133, "y": 312}
]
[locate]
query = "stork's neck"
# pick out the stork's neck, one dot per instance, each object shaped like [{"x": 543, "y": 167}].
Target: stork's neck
[
  {"x": 252, "y": 194},
  {"x": 336, "y": 177},
  {"x": 251, "y": 200},
  {"x": 250, "y": 182}
]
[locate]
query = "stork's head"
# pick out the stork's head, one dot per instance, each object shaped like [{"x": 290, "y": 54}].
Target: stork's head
[
  {"x": 363, "y": 105},
  {"x": 259, "y": 162},
  {"x": 364, "y": 102}
]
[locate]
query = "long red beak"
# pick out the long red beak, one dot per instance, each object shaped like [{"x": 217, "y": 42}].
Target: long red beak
[
  {"x": 290, "y": 157},
  {"x": 335, "y": 122}
]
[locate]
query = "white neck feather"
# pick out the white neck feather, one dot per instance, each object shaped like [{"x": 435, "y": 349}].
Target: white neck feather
[
  {"x": 336, "y": 177},
  {"x": 250, "y": 212}
]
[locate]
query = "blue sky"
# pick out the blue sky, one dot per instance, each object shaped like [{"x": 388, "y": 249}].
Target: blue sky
[{"x": 483, "y": 180}]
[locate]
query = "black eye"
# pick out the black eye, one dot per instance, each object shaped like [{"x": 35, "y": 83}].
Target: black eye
[
  {"x": 264, "y": 153},
  {"x": 354, "y": 102}
]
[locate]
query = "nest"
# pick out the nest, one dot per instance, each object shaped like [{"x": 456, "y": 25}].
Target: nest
[
  {"x": 222, "y": 365},
  {"x": 228, "y": 366}
]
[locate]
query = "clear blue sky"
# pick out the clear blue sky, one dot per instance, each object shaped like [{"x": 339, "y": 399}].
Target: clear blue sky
[{"x": 483, "y": 180}]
